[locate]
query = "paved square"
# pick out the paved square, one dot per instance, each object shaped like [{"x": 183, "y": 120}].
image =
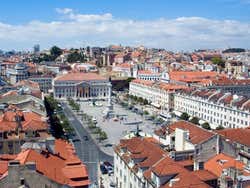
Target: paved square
[{"x": 116, "y": 129}]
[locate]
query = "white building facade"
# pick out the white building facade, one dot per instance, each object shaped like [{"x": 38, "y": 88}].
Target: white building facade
[
  {"x": 215, "y": 107},
  {"x": 81, "y": 86},
  {"x": 158, "y": 94},
  {"x": 20, "y": 72}
]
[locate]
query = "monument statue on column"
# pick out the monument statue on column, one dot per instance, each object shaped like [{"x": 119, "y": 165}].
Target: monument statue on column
[{"x": 109, "y": 109}]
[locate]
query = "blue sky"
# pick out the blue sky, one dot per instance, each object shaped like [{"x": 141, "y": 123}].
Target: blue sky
[{"x": 155, "y": 20}]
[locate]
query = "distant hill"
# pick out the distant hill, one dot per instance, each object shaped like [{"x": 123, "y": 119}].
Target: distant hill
[{"x": 234, "y": 50}]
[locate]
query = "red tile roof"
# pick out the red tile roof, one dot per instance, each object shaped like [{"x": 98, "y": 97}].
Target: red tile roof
[
  {"x": 204, "y": 175},
  {"x": 147, "y": 72},
  {"x": 29, "y": 120},
  {"x": 192, "y": 76},
  {"x": 222, "y": 161},
  {"x": 3, "y": 167},
  {"x": 63, "y": 167},
  {"x": 138, "y": 148},
  {"x": 143, "y": 82},
  {"x": 241, "y": 136},
  {"x": 159, "y": 163},
  {"x": 187, "y": 180},
  {"x": 196, "y": 134},
  {"x": 79, "y": 77}
]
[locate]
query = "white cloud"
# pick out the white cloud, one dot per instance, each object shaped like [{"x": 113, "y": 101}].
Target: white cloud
[
  {"x": 64, "y": 10},
  {"x": 93, "y": 29}
]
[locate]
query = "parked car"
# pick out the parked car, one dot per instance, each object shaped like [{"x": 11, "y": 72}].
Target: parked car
[
  {"x": 107, "y": 164},
  {"x": 76, "y": 140},
  {"x": 108, "y": 145},
  {"x": 110, "y": 170},
  {"x": 112, "y": 184},
  {"x": 103, "y": 169}
]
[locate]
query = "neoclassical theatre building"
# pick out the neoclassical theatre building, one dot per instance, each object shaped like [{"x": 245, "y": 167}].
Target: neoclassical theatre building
[{"x": 81, "y": 86}]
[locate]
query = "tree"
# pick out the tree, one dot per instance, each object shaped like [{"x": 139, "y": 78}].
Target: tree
[
  {"x": 184, "y": 116},
  {"x": 55, "y": 52},
  {"x": 75, "y": 57},
  {"x": 206, "y": 126},
  {"x": 234, "y": 50},
  {"x": 103, "y": 135},
  {"x": 195, "y": 120},
  {"x": 145, "y": 102},
  {"x": 220, "y": 127},
  {"x": 218, "y": 61}
]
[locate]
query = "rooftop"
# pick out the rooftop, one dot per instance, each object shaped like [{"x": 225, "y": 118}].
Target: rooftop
[
  {"x": 222, "y": 161},
  {"x": 63, "y": 167},
  {"x": 196, "y": 133},
  {"x": 236, "y": 135},
  {"x": 79, "y": 77}
]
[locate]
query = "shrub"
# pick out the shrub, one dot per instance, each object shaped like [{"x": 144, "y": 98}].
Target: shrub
[
  {"x": 220, "y": 127},
  {"x": 103, "y": 135},
  {"x": 195, "y": 120},
  {"x": 184, "y": 116},
  {"x": 206, "y": 126}
]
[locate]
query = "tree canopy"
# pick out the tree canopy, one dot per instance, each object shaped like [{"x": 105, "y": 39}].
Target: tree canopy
[
  {"x": 184, "y": 116},
  {"x": 234, "y": 50},
  {"x": 55, "y": 52},
  {"x": 218, "y": 61},
  {"x": 206, "y": 126},
  {"x": 75, "y": 57},
  {"x": 195, "y": 120}
]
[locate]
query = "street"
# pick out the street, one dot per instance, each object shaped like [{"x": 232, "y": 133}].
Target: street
[{"x": 87, "y": 150}]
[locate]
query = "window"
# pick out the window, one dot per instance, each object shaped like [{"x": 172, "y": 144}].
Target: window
[
  {"x": 197, "y": 151},
  {"x": 201, "y": 165}
]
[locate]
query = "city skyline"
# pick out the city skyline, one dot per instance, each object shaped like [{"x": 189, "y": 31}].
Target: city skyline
[{"x": 171, "y": 25}]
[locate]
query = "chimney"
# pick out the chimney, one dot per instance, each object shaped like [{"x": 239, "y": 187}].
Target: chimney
[
  {"x": 18, "y": 119},
  {"x": 14, "y": 170},
  {"x": 50, "y": 144},
  {"x": 172, "y": 181}
]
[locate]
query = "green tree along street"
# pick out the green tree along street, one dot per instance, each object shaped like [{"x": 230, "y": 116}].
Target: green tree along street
[
  {"x": 102, "y": 135},
  {"x": 184, "y": 116},
  {"x": 206, "y": 126},
  {"x": 195, "y": 120},
  {"x": 60, "y": 127},
  {"x": 73, "y": 104},
  {"x": 219, "y": 127},
  {"x": 139, "y": 100}
]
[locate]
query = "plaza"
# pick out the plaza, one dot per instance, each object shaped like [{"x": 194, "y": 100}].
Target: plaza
[{"x": 116, "y": 128}]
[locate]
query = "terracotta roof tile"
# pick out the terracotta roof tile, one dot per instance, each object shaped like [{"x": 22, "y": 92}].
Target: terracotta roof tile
[
  {"x": 196, "y": 134},
  {"x": 222, "y": 161},
  {"x": 236, "y": 135},
  {"x": 79, "y": 77},
  {"x": 57, "y": 167}
]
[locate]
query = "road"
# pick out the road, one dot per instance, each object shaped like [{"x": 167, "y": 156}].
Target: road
[{"x": 87, "y": 150}]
